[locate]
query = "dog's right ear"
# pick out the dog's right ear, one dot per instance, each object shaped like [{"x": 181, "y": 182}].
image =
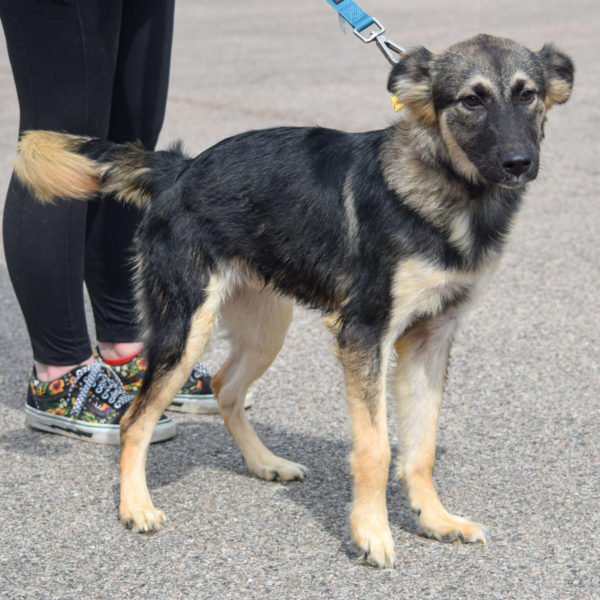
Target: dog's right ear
[{"x": 410, "y": 81}]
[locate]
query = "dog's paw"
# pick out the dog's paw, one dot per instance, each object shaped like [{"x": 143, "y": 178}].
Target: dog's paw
[
  {"x": 280, "y": 469},
  {"x": 140, "y": 519},
  {"x": 450, "y": 528},
  {"x": 375, "y": 542}
]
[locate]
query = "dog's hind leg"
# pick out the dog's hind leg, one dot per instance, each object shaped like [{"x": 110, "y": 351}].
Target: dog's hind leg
[
  {"x": 171, "y": 356},
  {"x": 364, "y": 373},
  {"x": 419, "y": 381},
  {"x": 257, "y": 321}
]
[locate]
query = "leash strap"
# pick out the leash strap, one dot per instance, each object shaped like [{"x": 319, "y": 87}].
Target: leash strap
[
  {"x": 360, "y": 22},
  {"x": 353, "y": 14}
]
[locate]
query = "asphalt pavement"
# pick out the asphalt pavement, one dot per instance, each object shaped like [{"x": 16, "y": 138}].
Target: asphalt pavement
[{"x": 519, "y": 431}]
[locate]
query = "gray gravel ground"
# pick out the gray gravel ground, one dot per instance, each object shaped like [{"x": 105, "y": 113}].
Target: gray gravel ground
[{"x": 518, "y": 437}]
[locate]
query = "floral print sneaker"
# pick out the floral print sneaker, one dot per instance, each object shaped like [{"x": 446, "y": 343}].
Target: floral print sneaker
[
  {"x": 130, "y": 370},
  {"x": 87, "y": 403},
  {"x": 196, "y": 395}
]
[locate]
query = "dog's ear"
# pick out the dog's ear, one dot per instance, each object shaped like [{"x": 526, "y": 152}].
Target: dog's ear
[
  {"x": 559, "y": 74},
  {"x": 410, "y": 81}
]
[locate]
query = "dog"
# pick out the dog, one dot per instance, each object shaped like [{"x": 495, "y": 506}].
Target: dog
[{"x": 390, "y": 234}]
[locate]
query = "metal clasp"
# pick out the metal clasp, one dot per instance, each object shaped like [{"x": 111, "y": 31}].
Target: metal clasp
[{"x": 392, "y": 51}]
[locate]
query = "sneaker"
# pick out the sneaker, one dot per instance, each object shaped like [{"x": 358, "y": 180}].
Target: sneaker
[
  {"x": 87, "y": 403},
  {"x": 196, "y": 395}
]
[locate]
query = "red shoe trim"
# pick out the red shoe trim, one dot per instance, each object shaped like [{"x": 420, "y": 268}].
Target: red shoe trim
[{"x": 116, "y": 362}]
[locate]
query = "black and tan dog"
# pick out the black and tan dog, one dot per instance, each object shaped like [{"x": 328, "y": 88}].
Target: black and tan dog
[{"x": 389, "y": 233}]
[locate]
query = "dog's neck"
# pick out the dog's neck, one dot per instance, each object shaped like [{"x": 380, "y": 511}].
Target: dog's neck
[{"x": 417, "y": 168}]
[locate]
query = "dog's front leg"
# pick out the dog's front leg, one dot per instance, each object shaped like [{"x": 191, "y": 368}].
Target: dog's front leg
[
  {"x": 419, "y": 380},
  {"x": 370, "y": 457}
]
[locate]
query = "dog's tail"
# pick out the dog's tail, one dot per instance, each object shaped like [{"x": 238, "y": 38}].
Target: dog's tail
[{"x": 58, "y": 165}]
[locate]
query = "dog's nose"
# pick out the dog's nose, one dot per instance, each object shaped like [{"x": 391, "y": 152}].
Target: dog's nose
[{"x": 516, "y": 163}]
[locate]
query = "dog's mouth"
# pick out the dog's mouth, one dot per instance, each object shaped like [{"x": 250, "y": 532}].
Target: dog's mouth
[
  {"x": 512, "y": 186},
  {"x": 508, "y": 182},
  {"x": 515, "y": 182}
]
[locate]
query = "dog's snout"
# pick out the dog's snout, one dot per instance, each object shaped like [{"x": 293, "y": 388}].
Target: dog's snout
[{"x": 516, "y": 163}]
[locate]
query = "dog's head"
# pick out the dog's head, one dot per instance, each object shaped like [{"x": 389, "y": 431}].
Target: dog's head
[{"x": 488, "y": 98}]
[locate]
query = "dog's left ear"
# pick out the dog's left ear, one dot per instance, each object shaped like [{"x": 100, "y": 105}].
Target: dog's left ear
[
  {"x": 410, "y": 80},
  {"x": 559, "y": 74}
]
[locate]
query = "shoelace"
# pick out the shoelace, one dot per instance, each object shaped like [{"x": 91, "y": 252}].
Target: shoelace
[
  {"x": 109, "y": 390},
  {"x": 199, "y": 371}
]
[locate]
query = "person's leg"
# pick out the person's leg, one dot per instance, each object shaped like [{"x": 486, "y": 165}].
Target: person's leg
[
  {"x": 137, "y": 113},
  {"x": 138, "y": 108},
  {"x": 47, "y": 277},
  {"x": 63, "y": 66},
  {"x": 63, "y": 56}
]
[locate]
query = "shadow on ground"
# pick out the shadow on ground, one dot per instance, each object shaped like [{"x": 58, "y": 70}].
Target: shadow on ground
[{"x": 204, "y": 443}]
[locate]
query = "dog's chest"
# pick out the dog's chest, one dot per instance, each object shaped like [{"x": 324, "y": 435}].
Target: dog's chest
[{"x": 419, "y": 289}]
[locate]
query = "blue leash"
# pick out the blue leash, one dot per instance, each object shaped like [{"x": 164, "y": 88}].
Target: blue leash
[{"x": 361, "y": 22}]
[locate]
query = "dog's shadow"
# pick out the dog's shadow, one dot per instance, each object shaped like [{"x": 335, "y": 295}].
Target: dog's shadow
[
  {"x": 326, "y": 493},
  {"x": 205, "y": 444}
]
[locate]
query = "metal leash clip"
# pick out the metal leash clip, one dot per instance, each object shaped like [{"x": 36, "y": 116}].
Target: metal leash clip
[{"x": 391, "y": 50}]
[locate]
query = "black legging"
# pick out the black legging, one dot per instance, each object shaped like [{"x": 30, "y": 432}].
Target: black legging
[{"x": 99, "y": 68}]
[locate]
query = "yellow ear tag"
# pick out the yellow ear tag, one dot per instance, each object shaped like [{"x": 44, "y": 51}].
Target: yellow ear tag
[{"x": 398, "y": 106}]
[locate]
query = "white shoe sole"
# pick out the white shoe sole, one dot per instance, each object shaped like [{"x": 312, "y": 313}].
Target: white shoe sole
[
  {"x": 205, "y": 404},
  {"x": 99, "y": 434}
]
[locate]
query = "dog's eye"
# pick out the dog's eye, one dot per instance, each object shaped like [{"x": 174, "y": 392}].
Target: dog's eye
[
  {"x": 527, "y": 96},
  {"x": 472, "y": 101}
]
